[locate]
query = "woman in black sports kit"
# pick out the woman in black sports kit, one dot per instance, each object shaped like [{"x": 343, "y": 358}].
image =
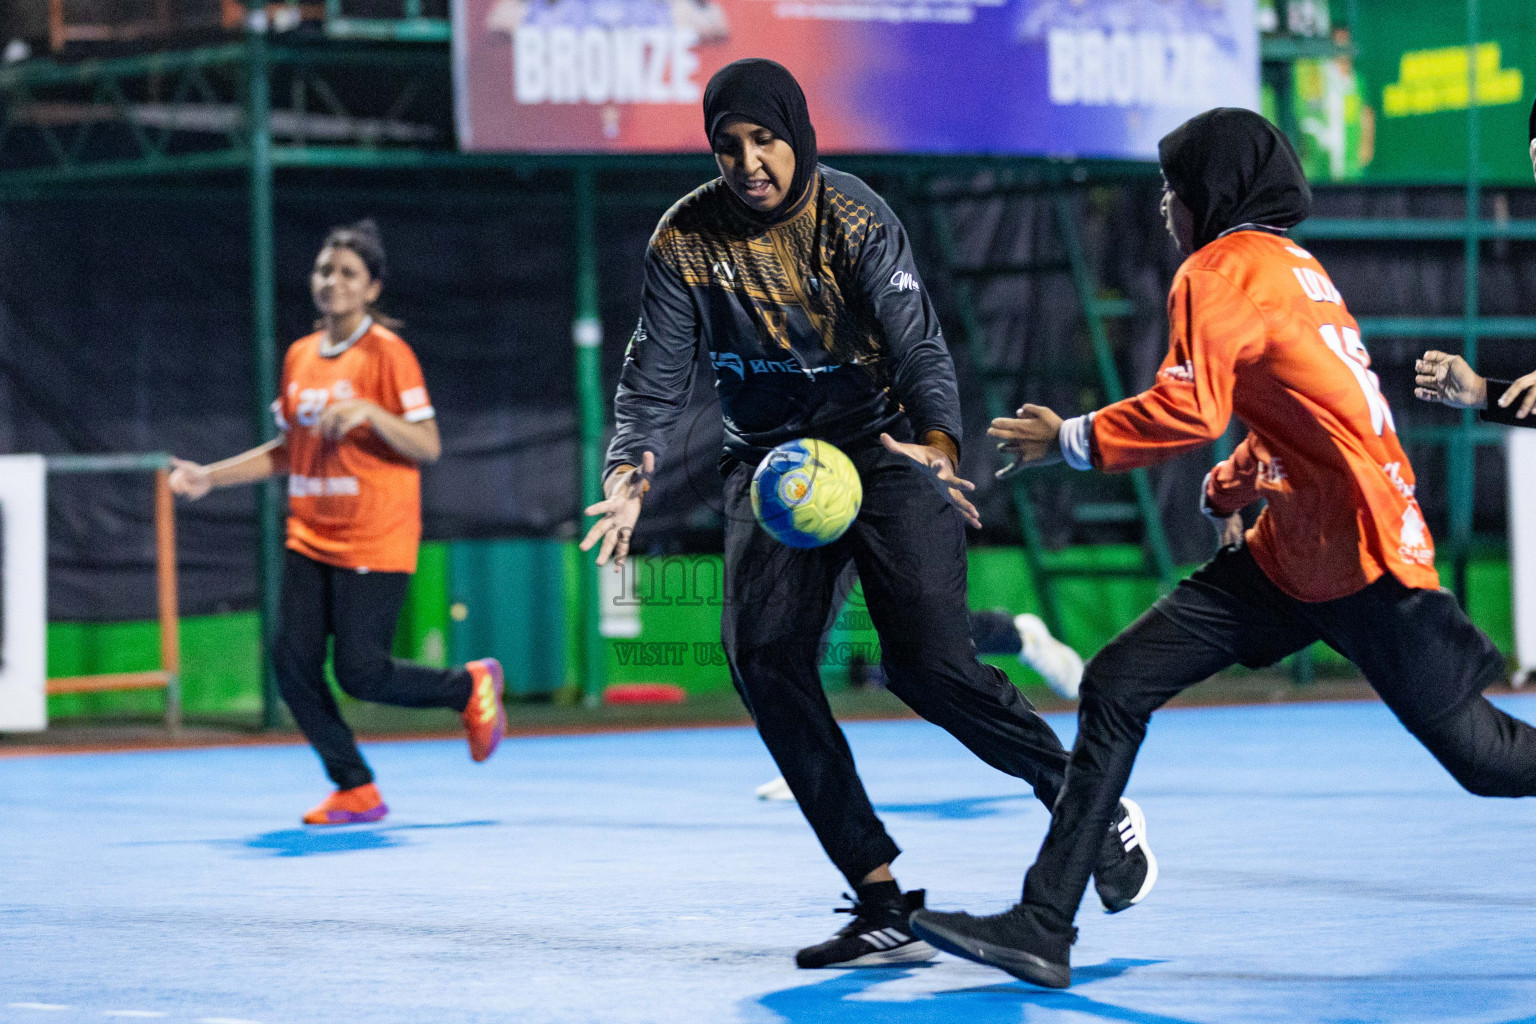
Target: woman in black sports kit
[{"x": 799, "y": 283}]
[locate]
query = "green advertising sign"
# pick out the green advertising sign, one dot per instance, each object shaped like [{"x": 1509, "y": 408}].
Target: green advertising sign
[{"x": 1412, "y": 70}]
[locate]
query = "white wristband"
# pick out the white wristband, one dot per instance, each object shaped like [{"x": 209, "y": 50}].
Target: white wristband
[{"x": 1076, "y": 441}]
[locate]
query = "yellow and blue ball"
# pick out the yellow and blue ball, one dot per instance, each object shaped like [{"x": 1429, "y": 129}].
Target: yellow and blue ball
[{"x": 806, "y": 493}]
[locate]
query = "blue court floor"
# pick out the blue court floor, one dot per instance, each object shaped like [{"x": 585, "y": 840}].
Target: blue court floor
[{"x": 1317, "y": 867}]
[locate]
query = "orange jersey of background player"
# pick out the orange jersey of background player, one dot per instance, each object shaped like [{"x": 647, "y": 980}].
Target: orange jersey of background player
[
  {"x": 354, "y": 502},
  {"x": 1259, "y": 330}
]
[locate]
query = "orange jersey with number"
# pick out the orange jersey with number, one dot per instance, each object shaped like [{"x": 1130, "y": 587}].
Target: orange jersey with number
[
  {"x": 1258, "y": 329},
  {"x": 353, "y": 502}
]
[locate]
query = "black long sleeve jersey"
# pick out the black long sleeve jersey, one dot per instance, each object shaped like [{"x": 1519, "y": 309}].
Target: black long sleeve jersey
[{"x": 817, "y": 326}]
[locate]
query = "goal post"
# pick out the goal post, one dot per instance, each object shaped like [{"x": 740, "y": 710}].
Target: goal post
[{"x": 168, "y": 676}]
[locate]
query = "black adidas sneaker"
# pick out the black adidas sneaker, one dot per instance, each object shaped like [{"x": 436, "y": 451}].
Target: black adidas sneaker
[
  {"x": 878, "y": 936},
  {"x": 1126, "y": 870},
  {"x": 1013, "y": 941}
]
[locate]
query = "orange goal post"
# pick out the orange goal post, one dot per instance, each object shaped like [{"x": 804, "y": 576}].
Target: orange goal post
[{"x": 168, "y": 676}]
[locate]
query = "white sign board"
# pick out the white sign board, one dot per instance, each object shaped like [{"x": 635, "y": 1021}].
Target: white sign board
[
  {"x": 1520, "y": 448},
  {"x": 23, "y": 591}
]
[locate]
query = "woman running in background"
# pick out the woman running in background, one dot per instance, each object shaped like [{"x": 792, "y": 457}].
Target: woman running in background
[{"x": 355, "y": 424}]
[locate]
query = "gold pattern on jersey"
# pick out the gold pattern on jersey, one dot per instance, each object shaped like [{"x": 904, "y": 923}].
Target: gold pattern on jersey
[{"x": 800, "y": 263}]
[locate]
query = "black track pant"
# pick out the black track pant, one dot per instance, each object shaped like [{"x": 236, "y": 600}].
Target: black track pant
[
  {"x": 358, "y": 609},
  {"x": 1416, "y": 648},
  {"x": 909, "y": 547}
]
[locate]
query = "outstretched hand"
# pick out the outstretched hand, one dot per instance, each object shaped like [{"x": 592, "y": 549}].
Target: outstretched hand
[
  {"x": 1447, "y": 379},
  {"x": 941, "y": 470},
  {"x": 189, "y": 479},
  {"x": 1032, "y": 437},
  {"x": 625, "y": 489}
]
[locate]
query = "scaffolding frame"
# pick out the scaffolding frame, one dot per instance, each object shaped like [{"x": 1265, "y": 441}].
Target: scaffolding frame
[
  {"x": 60, "y": 159},
  {"x": 248, "y": 144}
]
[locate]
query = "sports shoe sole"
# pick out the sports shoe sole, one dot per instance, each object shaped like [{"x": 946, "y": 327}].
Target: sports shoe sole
[
  {"x": 1139, "y": 826},
  {"x": 912, "y": 953},
  {"x": 1025, "y": 966},
  {"x": 352, "y": 817}
]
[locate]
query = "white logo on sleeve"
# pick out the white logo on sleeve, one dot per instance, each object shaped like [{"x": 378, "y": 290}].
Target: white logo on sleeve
[
  {"x": 903, "y": 281},
  {"x": 1183, "y": 373},
  {"x": 1413, "y": 539},
  {"x": 1394, "y": 471},
  {"x": 412, "y": 397}
]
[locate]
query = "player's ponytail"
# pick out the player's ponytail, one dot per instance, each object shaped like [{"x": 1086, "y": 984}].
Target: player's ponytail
[{"x": 364, "y": 240}]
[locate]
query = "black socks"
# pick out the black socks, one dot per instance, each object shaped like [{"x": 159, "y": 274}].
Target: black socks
[{"x": 878, "y": 892}]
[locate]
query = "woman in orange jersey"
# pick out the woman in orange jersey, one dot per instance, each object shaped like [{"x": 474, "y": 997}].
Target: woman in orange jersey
[
  {"x": 355, "y": 422},
  {"x": 1340, "y": 554}
]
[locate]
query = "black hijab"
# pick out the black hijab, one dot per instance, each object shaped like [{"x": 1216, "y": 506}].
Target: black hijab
[
  {"x": 1230, "y": 166},
  {"x": 764, "y": 92}
]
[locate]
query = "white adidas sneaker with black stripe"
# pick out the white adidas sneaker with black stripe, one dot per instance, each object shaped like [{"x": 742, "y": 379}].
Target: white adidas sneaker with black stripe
[
  {"x": 1127, "y": 870},
  {"x": 878, "y": 936}
]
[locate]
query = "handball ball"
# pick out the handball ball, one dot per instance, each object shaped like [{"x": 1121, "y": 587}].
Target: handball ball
[{"x": 806, "y": 493}]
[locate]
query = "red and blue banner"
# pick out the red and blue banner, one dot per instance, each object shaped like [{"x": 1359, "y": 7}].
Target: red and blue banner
[{"x": 1089, "y": 78}]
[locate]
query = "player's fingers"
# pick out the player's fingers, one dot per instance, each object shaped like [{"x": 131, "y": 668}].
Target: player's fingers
[
  {"x": 1526, "y": 384},
  {"x": 1010, "y": 471},
  {"x": 966, "y": 508},
  {"x": 1526, "y": 406},
  {"x": 1427, "y": 394},
  {"x": 1004, "y": 427},
  {"x": 892, "y": 445},
  {"x": 1513, "y": 391},
  {"x": 1029, "y": 429},
  {"x": 603, "y": 553},
  {"x": 949, "y": 477},
  {"x": 599, "y": 528},
  {"x": 602, "y": 508}
]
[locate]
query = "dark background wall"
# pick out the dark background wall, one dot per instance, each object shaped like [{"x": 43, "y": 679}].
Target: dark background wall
[{"x": 125, "y": 326}]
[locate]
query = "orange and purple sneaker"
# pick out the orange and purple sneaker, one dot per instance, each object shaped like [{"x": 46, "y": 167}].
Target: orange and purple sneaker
[
  {"x": 349, "y": 807},
  {"x": 485, "y": 718}
]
